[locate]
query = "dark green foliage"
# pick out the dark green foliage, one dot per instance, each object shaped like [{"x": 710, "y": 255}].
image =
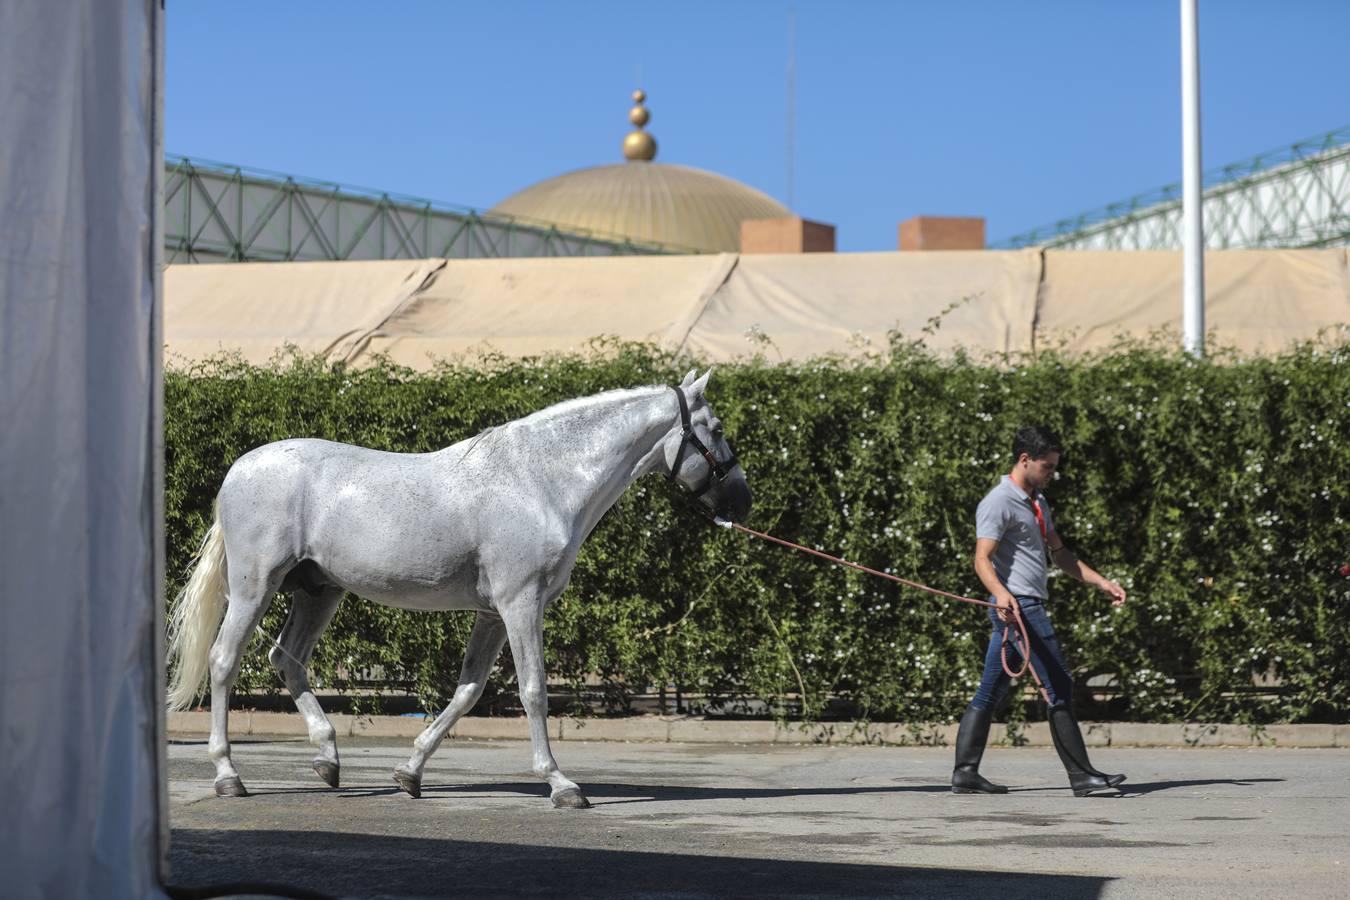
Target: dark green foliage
[{"x": 1215, "y": 491}]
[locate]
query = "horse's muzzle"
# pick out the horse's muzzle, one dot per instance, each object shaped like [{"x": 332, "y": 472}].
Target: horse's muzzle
[{"x": 733, "y": 500}]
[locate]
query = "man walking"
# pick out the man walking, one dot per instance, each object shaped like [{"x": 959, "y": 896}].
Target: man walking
[{"x": 1014, "y": 534}]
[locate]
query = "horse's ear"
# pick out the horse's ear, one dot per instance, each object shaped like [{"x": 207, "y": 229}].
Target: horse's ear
[
  {"x": 698, "y": 387},
  {"x": 689, "y": 378}
]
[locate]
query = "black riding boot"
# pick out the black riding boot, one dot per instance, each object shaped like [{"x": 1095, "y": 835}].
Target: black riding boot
[
  {"x": 970, "y": 741},
  {"x": 1083, "y": 778}
]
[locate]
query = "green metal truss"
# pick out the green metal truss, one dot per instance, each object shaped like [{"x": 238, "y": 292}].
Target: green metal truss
[
  {"x": 221, "y": 213},
  {"x": 1296, "y": 196}
]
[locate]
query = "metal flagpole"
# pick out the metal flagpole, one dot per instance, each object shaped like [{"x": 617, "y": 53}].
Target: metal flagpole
[
  {"x": 1192, "y": 213},
  {"x": 791, "y": 107}
]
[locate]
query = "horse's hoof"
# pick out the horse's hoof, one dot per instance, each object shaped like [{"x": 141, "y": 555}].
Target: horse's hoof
[
  {"x": 572, "y": 798},
  {"x": 231, "y": 787},
  {"x": 411, "y": 784},
  {"x": 327, "y": 771}
]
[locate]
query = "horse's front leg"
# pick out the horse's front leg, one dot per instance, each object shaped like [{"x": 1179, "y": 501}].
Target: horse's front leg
[{"x": 525, "y": 630}]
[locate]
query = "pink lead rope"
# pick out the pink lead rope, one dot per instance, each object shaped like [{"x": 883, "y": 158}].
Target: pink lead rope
[{"x": 1025, "y": 642}]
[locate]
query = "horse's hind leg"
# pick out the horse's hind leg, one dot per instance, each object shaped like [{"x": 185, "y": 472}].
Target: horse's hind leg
[
  {"x": 309, "y": 616},
  {"x": 485, "y": 645},
  {"x": 250, "y": 595}
]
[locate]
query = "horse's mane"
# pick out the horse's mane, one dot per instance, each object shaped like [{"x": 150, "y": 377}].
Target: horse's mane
[
  {"x": 576, "y": 405},
  {"x": 559, "y": 410}
]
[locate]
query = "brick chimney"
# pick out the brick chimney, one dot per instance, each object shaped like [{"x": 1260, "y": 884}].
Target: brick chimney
[
  {"x": 941, "y": 233},
  {"x": 787, "y": 235}
]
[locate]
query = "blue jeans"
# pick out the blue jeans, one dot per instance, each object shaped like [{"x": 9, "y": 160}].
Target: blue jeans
[{"x": 1046, "y": 657}]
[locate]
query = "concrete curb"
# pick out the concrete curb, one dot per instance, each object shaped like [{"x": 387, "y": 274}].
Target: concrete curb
[{"x": 685, "y": 729}]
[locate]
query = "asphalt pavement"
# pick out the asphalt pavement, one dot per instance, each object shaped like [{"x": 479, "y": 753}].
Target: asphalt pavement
[{"x": 691, "y": 821}]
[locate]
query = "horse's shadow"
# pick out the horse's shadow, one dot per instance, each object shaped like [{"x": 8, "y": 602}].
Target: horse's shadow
[
  {"x": 202, "y": 742},
  {"x": 613, "y": 794}
]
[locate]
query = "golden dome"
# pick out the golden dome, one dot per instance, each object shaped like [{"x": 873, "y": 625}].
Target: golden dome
[{"x": 642, "y": 200}]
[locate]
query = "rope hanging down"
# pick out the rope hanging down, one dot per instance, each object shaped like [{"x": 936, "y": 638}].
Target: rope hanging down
[{"x": 1021, "y": 643}]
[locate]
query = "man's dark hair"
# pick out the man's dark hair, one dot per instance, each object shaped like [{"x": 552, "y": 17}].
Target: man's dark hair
[{"x": 1036, "y": 441}]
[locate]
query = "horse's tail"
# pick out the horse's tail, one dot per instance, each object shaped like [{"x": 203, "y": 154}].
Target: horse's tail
[{"x": 195, "y": 618}]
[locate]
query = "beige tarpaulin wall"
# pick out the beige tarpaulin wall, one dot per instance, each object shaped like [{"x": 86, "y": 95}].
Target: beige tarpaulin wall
[
  {"x": 523, "y": 307},
  {"x": 256, "y": 308},
  {"x": 1255, "y": 300},
  {"x": 722, "y": 307},
  {"x": 812, "y": 304}
]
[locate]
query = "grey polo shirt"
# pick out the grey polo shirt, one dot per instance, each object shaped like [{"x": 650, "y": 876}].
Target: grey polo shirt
[{"x": 1005, "y": 515}]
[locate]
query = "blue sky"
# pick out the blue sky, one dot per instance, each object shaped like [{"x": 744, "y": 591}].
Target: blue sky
[{"x": 1021, "y": 112}]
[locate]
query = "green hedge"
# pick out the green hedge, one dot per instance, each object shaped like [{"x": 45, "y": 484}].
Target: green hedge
[{"x": 1215, "y": 491}]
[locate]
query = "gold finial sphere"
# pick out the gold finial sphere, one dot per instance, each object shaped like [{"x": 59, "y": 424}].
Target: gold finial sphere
[{"x": 639, "y": 145}]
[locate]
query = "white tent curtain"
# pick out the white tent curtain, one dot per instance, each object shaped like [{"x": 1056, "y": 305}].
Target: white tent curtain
[{"x": 81, "y": 750}]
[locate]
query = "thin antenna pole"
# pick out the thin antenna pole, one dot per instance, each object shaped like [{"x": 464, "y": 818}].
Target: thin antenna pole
[{"x": 791, "y": 106}]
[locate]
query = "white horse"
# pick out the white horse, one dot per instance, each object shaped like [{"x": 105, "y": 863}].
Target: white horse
[{"x": 491, "y": 524}]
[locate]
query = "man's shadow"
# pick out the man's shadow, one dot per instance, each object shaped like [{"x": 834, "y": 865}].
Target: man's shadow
[
  {"x": 1127, "y": 790},
  {"x": 1139, "y": 790}
]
